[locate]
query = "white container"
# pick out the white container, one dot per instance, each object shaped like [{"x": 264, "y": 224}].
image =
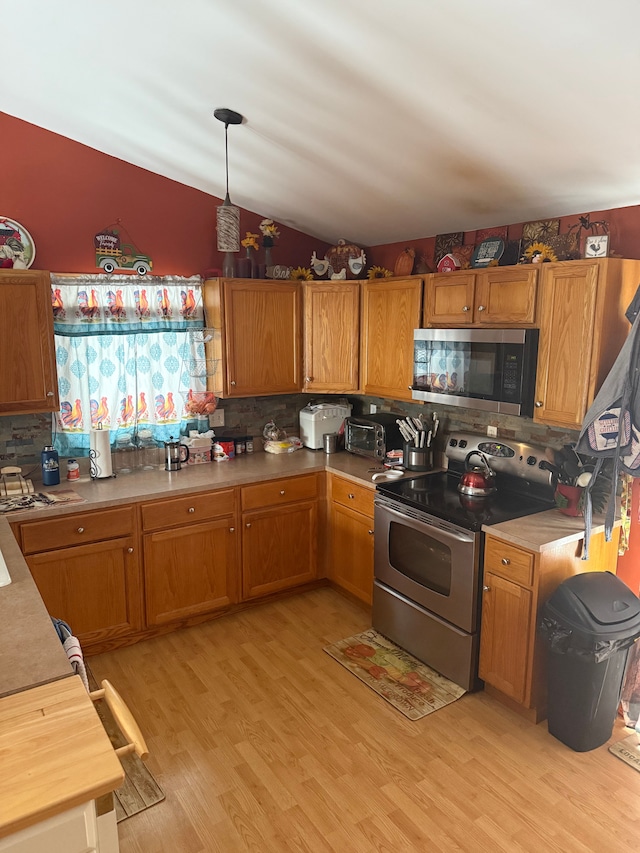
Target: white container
[{"x": 316, "y": 419}]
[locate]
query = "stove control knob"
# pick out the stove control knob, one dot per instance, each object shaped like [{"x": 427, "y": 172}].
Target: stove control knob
[
  {"x": 463, "y": 442},
  {"x": 531, "y": 460},
  {"x": 453, "y": 442}
]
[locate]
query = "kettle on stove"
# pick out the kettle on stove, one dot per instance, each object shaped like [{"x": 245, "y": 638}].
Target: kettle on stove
[{"x": 477, "y": 480}]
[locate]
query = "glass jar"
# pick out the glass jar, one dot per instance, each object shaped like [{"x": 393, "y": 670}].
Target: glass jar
[
  {"x": 149, "y": 453},
  {"x": 126, "y": 456}
]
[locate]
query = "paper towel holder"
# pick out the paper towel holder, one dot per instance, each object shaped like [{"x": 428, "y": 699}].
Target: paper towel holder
[{"x": 96, "y": 469}]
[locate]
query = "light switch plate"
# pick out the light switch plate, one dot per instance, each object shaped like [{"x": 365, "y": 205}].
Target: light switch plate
[{"x": 216, "y": 418}]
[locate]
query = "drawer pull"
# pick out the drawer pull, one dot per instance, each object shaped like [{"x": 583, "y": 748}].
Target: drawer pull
[
  {"x": 505, "y": 561},
  {"x": 282, "y": 491},
  {"x": 486, "y": 588},
  {"x": 129, "y": 550},
  {"x": 351, "y": 496},
  {"x": 80, "y": 530},
  {"x": 248, "y": 524},
  {"x": 192, "y": 509},
  {"x": 370, "y": 532}
]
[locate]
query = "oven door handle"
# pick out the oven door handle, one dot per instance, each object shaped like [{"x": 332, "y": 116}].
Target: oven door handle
[{"x": 453, "y": 534}]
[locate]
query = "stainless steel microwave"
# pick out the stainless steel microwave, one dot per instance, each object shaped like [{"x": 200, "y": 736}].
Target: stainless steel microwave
[
  {"x": 372, "y": 435},
  {"x": 489, "y": 369}
]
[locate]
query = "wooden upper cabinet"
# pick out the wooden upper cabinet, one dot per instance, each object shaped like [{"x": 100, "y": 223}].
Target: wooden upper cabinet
[
  {"x": 259, "y": 348},
  {"x": 582, "y": 329},
  {"x": 498, "y": 296},
  {"x": 28, "y": 381},
  {"x": 391, "y": 310},
  {"x": 331, "y": 336}
]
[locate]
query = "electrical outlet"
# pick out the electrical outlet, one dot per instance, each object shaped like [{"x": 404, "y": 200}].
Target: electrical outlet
[
  {"x": 492, "y": 431},
  {"x": 372, "y": 408},
  {"x": 216, "y": 418}
]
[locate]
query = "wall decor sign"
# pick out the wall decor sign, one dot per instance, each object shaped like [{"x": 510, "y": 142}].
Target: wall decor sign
[
  {"x": 17, "y": 249},
  {"x": 115, "y": 250},
  {"x": 445, "y": 243},
  {"x": 539, "y": 231},
  {"x": 448, "y": 263},
  {"x": 487, "y": 252},
  {"x": 596, "y": 246}
]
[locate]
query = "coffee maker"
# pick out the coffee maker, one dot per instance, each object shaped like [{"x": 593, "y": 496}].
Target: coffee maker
[{"x": 174, "y": 454}]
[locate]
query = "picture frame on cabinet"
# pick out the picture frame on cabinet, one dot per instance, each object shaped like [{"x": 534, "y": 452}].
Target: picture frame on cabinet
[{"x": 596, "y": 246}]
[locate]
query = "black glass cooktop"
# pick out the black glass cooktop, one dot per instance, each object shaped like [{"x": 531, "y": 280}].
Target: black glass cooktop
[{"x": 437, "y": 494}]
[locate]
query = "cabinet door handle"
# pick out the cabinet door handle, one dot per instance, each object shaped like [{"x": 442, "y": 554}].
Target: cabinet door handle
[
  {"x": 80, "y": 530},
  {"x": 486, "y": 588},
  {"x": 505, "y": 561},
  {"x": 248, "y": 524},
  {"x": 539, "y": 404},
  {"x": 480, "y": 307},
  {"x": 232, "y": 530},
  {"x": 308, "y": 378},
  {"x": 282, "y": 491},
  {"x": 465, "y": 307},
  {"x": 370, "y": 532},
  {"x": 192, "y": 509},
  {"x": 233, "y": 382},
  {"x": 49, "y": 393},
  {"x": 129, "y": 550}
]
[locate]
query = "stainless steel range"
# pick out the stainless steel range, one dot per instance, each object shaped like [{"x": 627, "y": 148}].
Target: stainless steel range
[{"x": 429, "y": 550}]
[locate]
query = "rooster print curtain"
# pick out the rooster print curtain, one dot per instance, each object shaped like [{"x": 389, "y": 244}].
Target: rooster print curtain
[{"x": 127, "y": 354}]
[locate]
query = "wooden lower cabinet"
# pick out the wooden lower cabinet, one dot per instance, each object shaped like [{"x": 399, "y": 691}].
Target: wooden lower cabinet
[
  {"x": 190, "y": 567},
  {"x": 279, "y": 535},
  {"x": 93, "y": 586},
  {"x": 516, "y": 584},
  {"x": 350, "y": 564}
]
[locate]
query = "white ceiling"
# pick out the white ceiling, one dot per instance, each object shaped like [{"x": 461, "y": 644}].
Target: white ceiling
[{"x": 369, "y": 120}]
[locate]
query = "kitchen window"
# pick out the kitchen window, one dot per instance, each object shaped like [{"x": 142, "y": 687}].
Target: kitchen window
[{"x": 127, "y": 356}]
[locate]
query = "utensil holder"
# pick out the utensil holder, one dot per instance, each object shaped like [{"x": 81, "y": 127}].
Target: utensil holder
[{"x": 417, "y": 458}]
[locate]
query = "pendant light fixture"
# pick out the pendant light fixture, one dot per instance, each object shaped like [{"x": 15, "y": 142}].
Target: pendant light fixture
[{"x": 227, "y": 215}]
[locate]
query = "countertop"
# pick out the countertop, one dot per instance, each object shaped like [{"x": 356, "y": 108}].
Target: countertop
[
  {"x": 31, "y": 653},
  {"x": 55, "y": 754}
]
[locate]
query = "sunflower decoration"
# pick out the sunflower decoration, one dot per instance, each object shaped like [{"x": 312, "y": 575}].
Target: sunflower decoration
[
  {"x": 301, "y": 274},
  {"x": 269, "y": 231},
  {"x": 251, "y": 241},
  {"x": 539, "y": 253},
  {"x": 378, "y": 272}
]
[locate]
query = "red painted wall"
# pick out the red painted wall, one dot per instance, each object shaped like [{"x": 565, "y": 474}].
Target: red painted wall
[{"x": 64, "y": 193}]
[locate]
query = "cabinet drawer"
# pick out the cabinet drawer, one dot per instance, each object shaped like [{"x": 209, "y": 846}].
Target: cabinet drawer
[
  {"x": 508, "y": 561},
  {"x": 356, "y": 497},
  {"x": 178, "y": 511},
  {"x": 77, "y": 529},
  {"x": 280, "y": 492}
]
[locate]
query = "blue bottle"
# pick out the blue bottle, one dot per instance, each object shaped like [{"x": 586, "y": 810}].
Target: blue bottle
[{"x": 50, "y": 467}]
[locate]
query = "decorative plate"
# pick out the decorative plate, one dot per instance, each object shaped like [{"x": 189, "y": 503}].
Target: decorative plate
[{"x": 17, "y": 249}]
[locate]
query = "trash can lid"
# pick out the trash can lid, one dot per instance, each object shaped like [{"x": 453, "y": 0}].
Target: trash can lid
[{"x": 598, "y": 602}]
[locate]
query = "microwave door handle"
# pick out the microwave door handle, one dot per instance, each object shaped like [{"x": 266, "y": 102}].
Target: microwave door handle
[{"x": 407, "y": 519}]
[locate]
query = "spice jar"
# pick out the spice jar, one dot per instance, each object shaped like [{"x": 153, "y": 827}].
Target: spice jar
[{"x": 73, "y": 469}]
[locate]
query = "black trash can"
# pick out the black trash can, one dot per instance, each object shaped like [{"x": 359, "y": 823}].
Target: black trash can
[{"x": 590, "y": 622}]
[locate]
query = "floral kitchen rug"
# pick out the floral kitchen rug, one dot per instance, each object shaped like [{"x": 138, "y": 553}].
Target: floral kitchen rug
[
  {"x": 409, "y": 685},
  {"x": 628, "y": 750}
]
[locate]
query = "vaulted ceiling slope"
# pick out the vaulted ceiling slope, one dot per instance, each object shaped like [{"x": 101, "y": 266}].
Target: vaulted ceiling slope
[{"x": 372, "y": 120}]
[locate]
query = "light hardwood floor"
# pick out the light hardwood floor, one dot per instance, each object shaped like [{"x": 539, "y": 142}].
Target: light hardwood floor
[{"x": 262, "y": 742}]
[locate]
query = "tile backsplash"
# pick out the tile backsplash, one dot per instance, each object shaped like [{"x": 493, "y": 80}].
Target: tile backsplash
[{"x": 22, "y": 437}]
